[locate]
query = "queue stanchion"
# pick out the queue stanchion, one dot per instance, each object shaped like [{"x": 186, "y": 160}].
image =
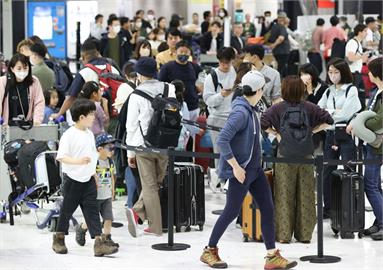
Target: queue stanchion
[
  {"x": 320, "y": 258},
  {"x": 170, "y": 245}
]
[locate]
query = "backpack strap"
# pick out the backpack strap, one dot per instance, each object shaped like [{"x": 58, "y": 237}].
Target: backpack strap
[
  {"x": 214, "y": 78},
  {"x": 348, "y": 89},
  {"x": 95, "y": 69},
  {"x": 143, "y": 94},
  {"x": 166, "y": 90}
]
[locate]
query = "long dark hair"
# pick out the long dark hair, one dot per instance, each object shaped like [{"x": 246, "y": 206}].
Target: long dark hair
[
  {"x": 88, "y": 89},
  {"x": 11, "y": 77},
  {"x": 142, "y": 44}
]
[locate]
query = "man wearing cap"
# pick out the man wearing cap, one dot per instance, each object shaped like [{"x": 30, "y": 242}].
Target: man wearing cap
[
  {"x": 152, "y": 166},
  {"x": 240, "y": 162},
  {"x": 280, "y": 44},
  {"x": 272, "y": 91}
]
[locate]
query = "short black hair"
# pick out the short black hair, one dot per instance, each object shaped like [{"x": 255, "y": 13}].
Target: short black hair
[
  {"x": 320, "y": 22},
  {"x": 162, "y": 47},
  {"x": 174, "y": 24},
  {"x": 124, "y": 20},
  {"x": 257, "y": 50},
  {"x": 128, "y": 70},
  {"x": 174, "y": 32},
  {"x": 183, "y": 43},
  {"x": 344, "y": 69},
  {"x": 91, "y": 44},
  {"x": 39, "y": 49},
  {"x": 226, "y": 54},
  {"x": 267, "y": 12},
  {"x": 359, "y": 28},
  {"x": 217, "y": 23},
  {"x": 82, "y": 106},
  {"x": 369, "y": 20},
  {"x": 139, "y": 11},
  {"x": 375, "y": 67},
  {"x": 98, "y": 16},
  {"x": 206, "y": 14},
  {"x": 310, "y": 69},
  {"x": 111, "y": 20},
  {"x": 334, "y": 20}
]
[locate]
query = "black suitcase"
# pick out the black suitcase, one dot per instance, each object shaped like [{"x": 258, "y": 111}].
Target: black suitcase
[
  {"x": 347, "y": 203},
  {"x": 189, "y": 197}
]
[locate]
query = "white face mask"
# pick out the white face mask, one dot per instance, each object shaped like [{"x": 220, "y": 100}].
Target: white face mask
[
  {"x": 144, "y": 52},
  {"x": 138, "y": 25},
  {"x": 116, "y": 28},
  {"x": 335, "y": 78},
  {"x": 21, "y": 75},
  {"x": 150, "y": 17},
  {"x": 221, "y": 14},
  {"x": 161, "y": 37}
]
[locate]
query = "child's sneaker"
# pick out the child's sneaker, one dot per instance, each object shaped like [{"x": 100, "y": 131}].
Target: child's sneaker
[
  {"x": 132, "y": 217},
  {"x": 210, "y": 256},
  {"x": 101, "y": 247},
  {"x": 108, "y": 238},
  {"x": 276, "y": 261},
  {"x": 59, "y": 243},
  {"x": 80, "y": 235}
]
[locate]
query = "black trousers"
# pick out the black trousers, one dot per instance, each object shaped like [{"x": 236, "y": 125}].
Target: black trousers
[
  {"x": 83, "y": 195},
  {"x": 282, "y": 60}
]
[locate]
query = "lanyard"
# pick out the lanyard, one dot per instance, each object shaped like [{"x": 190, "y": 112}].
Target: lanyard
[
  {"x": 372, "y": 105},
  {"x": 21, "y": 104}
]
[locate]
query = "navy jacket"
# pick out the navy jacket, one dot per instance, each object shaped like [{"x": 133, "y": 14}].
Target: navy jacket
[{"x": 239, "y": 138}]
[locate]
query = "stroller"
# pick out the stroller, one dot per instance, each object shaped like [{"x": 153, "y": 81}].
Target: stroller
[{"x": 34, "y": 175}]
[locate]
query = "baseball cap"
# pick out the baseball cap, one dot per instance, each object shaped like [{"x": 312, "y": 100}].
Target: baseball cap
[
  {"x": 103, "y": 139},
  {"x": 254, "y": 79}
]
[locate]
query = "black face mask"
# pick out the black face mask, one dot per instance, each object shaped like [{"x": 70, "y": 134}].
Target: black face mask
[{"x": 183, "y": 58}]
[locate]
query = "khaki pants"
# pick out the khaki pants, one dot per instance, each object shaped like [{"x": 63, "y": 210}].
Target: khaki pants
[
  {"x": 152, "y": 168},
  {"x": 294, "y": 187}
]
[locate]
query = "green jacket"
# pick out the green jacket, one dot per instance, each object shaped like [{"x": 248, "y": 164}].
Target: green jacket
[{"x": 376, "y": 123}]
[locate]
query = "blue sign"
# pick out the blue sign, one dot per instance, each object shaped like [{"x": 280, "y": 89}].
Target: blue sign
[{"x": 48, "y": 21}]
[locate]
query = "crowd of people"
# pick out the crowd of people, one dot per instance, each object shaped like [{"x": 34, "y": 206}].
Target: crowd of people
[{"x": 154, "y": 59}]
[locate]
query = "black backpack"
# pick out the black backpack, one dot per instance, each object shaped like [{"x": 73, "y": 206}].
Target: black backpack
[
  {"x": 10, "y": 151},
  {"x": 296, "y": 133},
  {"x": 165, "y": 125},
  {"x": 338, "y": 48},
  {"x": 26, "y": 172}
]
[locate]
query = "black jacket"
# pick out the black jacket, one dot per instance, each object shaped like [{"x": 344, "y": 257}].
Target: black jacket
[
  {"x": 206, "y": 39},
  {"x": 234, "y": 42}
]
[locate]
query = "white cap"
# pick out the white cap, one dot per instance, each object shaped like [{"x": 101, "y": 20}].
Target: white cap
[{"x": 254, "y": 79}]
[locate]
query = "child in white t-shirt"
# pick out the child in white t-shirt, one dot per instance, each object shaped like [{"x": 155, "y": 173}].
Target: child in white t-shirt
[{"x": 78, "y": 155}]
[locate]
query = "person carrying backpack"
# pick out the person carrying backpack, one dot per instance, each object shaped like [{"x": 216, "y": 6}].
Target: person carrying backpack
[
  {"x": 294, "y": 121},
  {"x": 140, "y": 131},
  {"x": 342, "y": 102}
]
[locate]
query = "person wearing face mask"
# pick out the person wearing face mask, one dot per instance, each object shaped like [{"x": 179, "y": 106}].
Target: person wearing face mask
[
  {"x": 126, "y": 33},
  {"x": 161, "y": 25},
  {"x": 172, "y": 38},
  {"x": 212, "y": 41},
  {"x": 115, "y": 44},
  {"x": 139, "y": 28},
  {"x": 248, "y": 27},
  {"x": 45, "y": 75},
  {"x": 21, "y": 95},
  {"x": 342, "y": 102},
  {"x": 143, "y": 49},
  {"x": 314, "y": 86},
  {"x": 151, "y": 18},
  {"x": 186, "y": 71}
]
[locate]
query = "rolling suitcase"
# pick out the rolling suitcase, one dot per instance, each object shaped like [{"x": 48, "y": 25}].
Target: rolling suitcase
[
  {"x": 204, "y": 162},
  {"x": 347, "y": 204},
  {"x": 189, "y": 197},
  {"x": 251, "y": 215}
]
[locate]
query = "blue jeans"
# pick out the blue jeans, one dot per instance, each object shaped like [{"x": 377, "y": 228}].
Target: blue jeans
[
  {"x": 372, "y": 185},
  {"x": 259, "y": 188},
  {"x": 131, "y": 186},
  {"x": 347, "y": 150}
]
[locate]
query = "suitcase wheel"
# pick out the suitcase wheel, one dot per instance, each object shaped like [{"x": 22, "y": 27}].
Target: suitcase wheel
[
  {"x": 245, "y": 238},
  {"x": 200, "y": 228},
  {"x": 178, "y": 229},
  {"x": 52, "y": 225},
  {"x": 360, "y": 235},
  {"x": 335, "y": 231},
  {"x": 187, "y": 229},
  {"x": 347, "y": 235}
]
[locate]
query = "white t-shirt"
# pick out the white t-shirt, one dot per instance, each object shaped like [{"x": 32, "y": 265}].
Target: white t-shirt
[
  {"x": 76, "y": 143},
  {"x": 369, "y": 36},
  {"x": 356, "y": 47}
]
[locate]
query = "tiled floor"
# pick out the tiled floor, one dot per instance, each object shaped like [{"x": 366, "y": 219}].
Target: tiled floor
[{"x": 25, "y": 247}]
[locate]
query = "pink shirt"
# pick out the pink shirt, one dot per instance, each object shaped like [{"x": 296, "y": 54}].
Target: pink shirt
[
  {"x": 317, "y": 38},
  {"x": 328, "y": 38},
  {"x": 100, "y": 118}
]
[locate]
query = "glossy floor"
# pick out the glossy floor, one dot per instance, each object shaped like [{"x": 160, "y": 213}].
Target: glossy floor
[{"x": 24, "y": 247}]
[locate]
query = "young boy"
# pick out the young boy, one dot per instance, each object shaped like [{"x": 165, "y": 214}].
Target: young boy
[
  {"x": 78, "y": 155},
  {"x": 105, "y": 188}
]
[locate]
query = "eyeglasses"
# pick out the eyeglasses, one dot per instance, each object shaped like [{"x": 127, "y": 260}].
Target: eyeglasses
[{"x": 109, "y": 148}]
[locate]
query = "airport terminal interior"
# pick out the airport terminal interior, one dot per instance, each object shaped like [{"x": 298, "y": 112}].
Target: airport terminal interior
[{"x": 191, "y": 134}]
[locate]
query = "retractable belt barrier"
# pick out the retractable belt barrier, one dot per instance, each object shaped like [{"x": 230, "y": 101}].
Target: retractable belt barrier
[{"x": 318, "y": 161}]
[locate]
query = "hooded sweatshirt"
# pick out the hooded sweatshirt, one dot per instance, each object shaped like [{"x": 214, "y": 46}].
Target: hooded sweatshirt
[{"x": 240, "y": 138}]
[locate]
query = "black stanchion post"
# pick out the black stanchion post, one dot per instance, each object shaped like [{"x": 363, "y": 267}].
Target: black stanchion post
[
  {"x": 320, "y": 258},
  {"x": 170, "y": 245}
]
